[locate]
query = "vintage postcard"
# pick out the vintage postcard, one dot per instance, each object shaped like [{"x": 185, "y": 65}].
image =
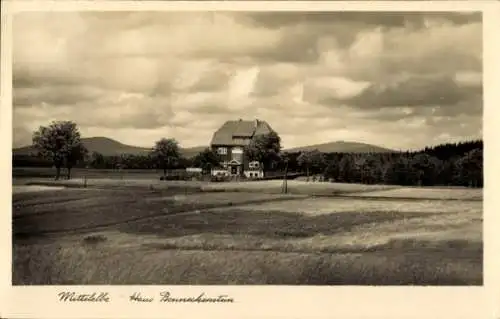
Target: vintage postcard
[{"x": 252, "y": 159}]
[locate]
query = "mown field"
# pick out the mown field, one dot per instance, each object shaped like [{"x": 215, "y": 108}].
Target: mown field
[{"x": 234, "y": 234}]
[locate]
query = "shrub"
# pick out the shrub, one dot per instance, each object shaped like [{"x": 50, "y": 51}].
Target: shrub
[{"x": 220, "y": 178}]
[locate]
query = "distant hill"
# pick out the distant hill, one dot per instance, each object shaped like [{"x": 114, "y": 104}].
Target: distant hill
[
  {"x": 190, "y": 152},
  {"x": 108, "y": 147},
  {"x": 342, "y": 147}
]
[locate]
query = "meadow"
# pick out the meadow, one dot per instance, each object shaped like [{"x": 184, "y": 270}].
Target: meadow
[
  {"x": 152, "y": 232},
  {"x": 49, "y": 172}
]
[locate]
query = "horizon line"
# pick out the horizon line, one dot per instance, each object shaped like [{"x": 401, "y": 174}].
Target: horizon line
[{"x": 297, "y": 147}]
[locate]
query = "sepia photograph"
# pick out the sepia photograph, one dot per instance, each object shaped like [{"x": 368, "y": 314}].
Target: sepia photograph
[{"x": 247, "y": 148}]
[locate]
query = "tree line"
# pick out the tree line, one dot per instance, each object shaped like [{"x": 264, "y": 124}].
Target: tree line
[{"x": 453, "y": 164}]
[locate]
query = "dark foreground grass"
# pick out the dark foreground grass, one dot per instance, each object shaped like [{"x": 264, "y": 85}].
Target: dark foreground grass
[
  {"x": 265, "y": 224},
  {"x": 72, "y": 210},
  {"x": 234, "y": 246},
  {"x": 59, "y": 264}
]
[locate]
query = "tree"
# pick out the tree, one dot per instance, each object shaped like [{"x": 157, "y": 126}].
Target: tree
[
  {"x": 314, "y": 161},
  {"x": 346, "y": 168},
  {"x": 470, "y": 168},
  {"x": 97, "y": 160},
  {"x": 372, "y": 169},
  {"x": 166, "y": 154},
  {"x": 126, "y": 161},
  {"x": 304, "y": 161},
  {"x": 331, "y": 170},
  {"x": 265, "y": 149},
  {"x": 113, "y": 161},
  {"x": 76, "y": 154},
  {"x": 61, "y": 143},
  {"x": 398, "y": 172},
  {"x": 206, "y": 160},
  {"x": 424, "y": 169}
]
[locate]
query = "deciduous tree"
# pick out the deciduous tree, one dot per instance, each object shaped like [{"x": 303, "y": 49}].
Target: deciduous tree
[
  {"x": 265, "y": 149},
  {"x": 61, "y": 143},
  {"x": 206, "y": 160},
  {"x": 97, "y": 160},
  {"x": 166, "y": 154},
  {"x": 312, "y": 161}
]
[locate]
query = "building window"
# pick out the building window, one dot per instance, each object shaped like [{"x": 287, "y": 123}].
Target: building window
[
  {"x": 240, "y": 141},
  {"x": 222, "y": 150},
  {"x": 253, "y": 164},
  {"x": 236, "y": 157}
]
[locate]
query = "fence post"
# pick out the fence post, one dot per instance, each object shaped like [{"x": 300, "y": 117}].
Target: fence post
[{"x": 285, "y": 183}]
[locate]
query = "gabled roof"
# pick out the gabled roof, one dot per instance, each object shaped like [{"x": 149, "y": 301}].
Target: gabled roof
[{"x": 237, "y": 133}]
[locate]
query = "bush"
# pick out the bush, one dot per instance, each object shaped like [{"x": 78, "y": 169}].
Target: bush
[
  {"x": 185, "y": 176},
  {"x": 190, "y": 176},
  {"x": 220, "y": 178}
]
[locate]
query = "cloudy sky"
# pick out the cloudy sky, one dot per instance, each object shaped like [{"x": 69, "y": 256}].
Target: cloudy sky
[{"x": 400, "y": 80}]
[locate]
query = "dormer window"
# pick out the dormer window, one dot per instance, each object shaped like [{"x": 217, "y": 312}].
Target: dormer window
[{"x": 222, "y": 150}]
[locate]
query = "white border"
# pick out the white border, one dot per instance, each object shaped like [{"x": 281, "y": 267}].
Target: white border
[
  {"x": 270, "y": 301},
  {"x": 100, "y": 5}
]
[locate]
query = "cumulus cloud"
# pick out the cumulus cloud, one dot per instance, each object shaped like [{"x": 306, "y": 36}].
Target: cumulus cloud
[
  {"x": 412, "y": 92},
  {"x": 315, "y": 77},
  {"x": 365, "y": 18}
]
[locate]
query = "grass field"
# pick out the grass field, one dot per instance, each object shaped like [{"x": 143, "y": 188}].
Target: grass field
[
  {"x": 48, "y": 172},
  {"x": 138, "y": 234},
  {"x": 269, "y": 187}
]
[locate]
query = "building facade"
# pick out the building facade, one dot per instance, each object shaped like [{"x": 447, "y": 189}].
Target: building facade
[{"x": 229, "y": 142}]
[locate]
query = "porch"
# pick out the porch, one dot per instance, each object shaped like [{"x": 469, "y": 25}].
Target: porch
[{"x": 235, "y": 168}]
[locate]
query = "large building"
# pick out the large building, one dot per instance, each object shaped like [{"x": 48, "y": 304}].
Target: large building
[{"x": 229, "y": 142}]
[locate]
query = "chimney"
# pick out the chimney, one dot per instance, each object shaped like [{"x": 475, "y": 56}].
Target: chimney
[{"x": 256, "y": 123}]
